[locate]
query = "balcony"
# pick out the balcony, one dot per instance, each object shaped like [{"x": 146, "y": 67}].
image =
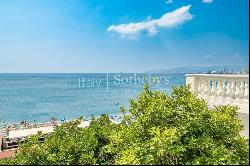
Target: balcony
[{"x": 221, "y": 89}]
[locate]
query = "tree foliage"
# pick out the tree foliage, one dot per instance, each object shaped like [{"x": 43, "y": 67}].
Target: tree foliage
[{"x": 156, "y": 129}]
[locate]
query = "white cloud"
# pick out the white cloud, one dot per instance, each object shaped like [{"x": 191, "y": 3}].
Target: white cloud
[
  {"x": 99, "y": 8},
  {"x": 209, "y": 56},
  {"x": 169, "y": 2},
  {"x": 236, "y": 55},
  {"x": 168, "y": 20},
  {"x": 149, "y": 18},
  {"x": 207, "y": 1}
]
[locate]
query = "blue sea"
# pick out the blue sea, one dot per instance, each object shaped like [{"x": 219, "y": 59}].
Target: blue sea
[{"x": 38, "y": 97}]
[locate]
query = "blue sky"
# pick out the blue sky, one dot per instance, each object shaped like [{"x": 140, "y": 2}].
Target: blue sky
[{"x": 121, "y": 36}]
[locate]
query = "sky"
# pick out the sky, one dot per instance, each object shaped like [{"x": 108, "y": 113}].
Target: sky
[{"x": 47, "y": 36}]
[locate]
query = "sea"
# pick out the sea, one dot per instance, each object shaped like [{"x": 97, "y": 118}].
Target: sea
[{"x": 36, "y": 97}]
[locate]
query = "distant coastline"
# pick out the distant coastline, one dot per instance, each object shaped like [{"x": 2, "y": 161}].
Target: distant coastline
[{"x": 202, "y": 69}]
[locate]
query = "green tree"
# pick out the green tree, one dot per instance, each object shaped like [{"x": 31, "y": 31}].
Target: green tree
[
  {"x": 156, "y": 129},
  {"x": 179, "y": 129},
  {"x": 68, "y": 144}
]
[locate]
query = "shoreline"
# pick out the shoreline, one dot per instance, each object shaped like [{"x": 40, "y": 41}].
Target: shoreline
[
  {"x": 9, "y": 138},
  {"x": 23, "y": 125}
]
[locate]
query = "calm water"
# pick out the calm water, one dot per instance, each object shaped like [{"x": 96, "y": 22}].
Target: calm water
[{"x": 38, "y": 97}]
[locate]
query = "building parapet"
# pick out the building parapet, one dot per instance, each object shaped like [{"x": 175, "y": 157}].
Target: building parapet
[{"x": 221, "y": 89}]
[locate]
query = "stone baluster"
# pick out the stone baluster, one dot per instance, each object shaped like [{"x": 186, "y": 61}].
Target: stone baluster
[
  {"x": 244, "y": 100},
  {"x": 242, "y": 91},
  {"x": 237, "y": 90},
  {"x": 232, "y": 89},
  {"x": 199, "y": 92},
  {"x": 228, "y": 89},
  {"x": 242, "y": 88},
  {"x": 224, "y": 89},
  {"x": 246, "y": 92},
  {"x": 208, "y": 88},
  {"x": 228, "y": 95},
  {"x": 205, "y": 91},
  {"x": 202, "y": 87},
  {"x": 220, "y": 89},
  {"x": 213, "y": 90}
]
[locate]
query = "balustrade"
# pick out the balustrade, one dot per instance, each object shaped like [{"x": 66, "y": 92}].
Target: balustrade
[{"x": 222, "y": 89}]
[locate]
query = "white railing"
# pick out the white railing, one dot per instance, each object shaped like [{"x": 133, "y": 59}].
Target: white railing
[{"x": 222, "y": 89}]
